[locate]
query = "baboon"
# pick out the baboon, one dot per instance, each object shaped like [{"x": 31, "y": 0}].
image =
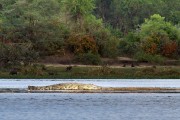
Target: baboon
[
  {"x": 51, "y": 73},
  {"x": 44, "y": 68},
  {"x": 132, "y": 65},
  {"x": 68, "y": 68},
  {"x": 13, "y": 71},
  {"x": 124, "y": 65},
  {"x": 154, "y": 66}
]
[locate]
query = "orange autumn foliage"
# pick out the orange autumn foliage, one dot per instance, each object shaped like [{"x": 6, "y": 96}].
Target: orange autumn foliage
[
  {"x": 152, "y": 49},
  {"x": 169, "y": 48},
  {"x": 81, "y": 44}
]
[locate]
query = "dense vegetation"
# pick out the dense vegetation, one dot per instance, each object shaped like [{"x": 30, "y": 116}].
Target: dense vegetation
[{"x": 148, "y": 30}]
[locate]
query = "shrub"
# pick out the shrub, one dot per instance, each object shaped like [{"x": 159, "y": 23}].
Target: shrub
[
  {"x": 88, "y": 58},
  {"x": 145, "y": 57},
  {"x": 101, "y": 37},
  {"x": 170, "y": 48},
  {"x": 111, "y": 48},
  {"x": 129, "y": 45},
  {"x": 127, "y": 48},
  {"x": 103, "y": 70},
  {"x": 50, "y": 37},
  {"x": 35, "y": 70},
  {"x": 15, "y": 54},
  {"x": 159, "y": 37},
  {"x": 158, "y": 43},
  {"x": 79, "y": 44}
]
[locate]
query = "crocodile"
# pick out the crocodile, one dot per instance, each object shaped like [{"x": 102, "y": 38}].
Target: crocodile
[{"x": 66, "y": 86}]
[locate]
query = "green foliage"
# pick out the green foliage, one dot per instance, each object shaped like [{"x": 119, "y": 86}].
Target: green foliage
[
  {"x": 83, "y": 26},
  {"x": 10, "y": 54},
  {"x": 34, "y": 70},
  {"x": 159, "y": 37},
  {"x": 111, "y": 48},
  {"x": 77, "y": 9},
  {"x": 116, "y": 32},
  {"x": 145, "y": 57},
  {"x": 129, "y": 14},
  {"x": 157, "y": 24},
  {"x": 15, "y": 54},
  {"x": 28, "y": 55},
  {"x": 88, "y": 58},
  {"x": 129, "y": 45},
  {"x": 36, "y": 22},
  {"x": 92, "y": 24},
  {"x": 125, "y": 12},
  {"x": 101, "y": 37},
  {"x": 50, "y": 37},
  {"x": 101, "y": 71}
]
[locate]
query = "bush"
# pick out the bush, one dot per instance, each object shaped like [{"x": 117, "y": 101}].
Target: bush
[
  {"x": 50, "y": 37},
  {"x": 145, "y": 57},
  {"x": 101, "y": 37},
  {"x": 88, "y": 58},
  {"x": 111, "y": 48},
  {"x": 127, "y": 48},
  {"x": 80, "y": 44},
  {"x": 15, "y": 54},
  {"x": 129, "y": 45},
  {"x": 35, "y": 70},
  {"x": 159, "y": 43},
  {"x": 159, "y": 37}
]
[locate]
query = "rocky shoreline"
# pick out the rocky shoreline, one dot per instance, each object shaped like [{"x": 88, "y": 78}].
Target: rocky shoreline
[{"x": 87, "y": 88}]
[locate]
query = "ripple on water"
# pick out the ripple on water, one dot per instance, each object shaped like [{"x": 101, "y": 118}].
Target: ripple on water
[{"x": 89, "y": 106}]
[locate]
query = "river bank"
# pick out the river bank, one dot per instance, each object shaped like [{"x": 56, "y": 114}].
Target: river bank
[{"x": 54, "y": 71}]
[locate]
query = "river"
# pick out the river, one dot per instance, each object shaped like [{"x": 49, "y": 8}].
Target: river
[
  {"x": 89, "y": 106},
  {"x": 85, "y": 106},
  {"x": 24, "y": 83}
]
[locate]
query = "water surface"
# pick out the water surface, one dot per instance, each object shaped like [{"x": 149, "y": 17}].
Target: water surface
[
  {"x": 89, "y": 106},
  {"x": 24, "y": 83}
]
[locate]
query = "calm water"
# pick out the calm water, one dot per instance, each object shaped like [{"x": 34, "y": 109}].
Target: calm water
[
  {"x": 89, "y": 106},
  {"x": 101, "y": 82},
  {"x": 58, "y": 106}
]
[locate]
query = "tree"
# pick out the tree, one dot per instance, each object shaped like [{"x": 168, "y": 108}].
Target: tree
[
  {"x": 78, "y": 9},
  {"x": 103, "y": 9},
  {"x": 171, "y": 10},
  {"x": 157, "y": 24},
  {"x": 127, "y": 14},
  {"x": 37, "y": 22},
  {"x": 159, "y": 36}
]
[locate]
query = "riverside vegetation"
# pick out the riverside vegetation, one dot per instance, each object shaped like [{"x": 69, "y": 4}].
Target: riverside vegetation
[
  {"x": 85, "y": 32},
  {"x": 100, "y": 72}
]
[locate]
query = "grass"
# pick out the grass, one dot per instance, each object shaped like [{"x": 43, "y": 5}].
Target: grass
[{"x": 103, "y": 72}]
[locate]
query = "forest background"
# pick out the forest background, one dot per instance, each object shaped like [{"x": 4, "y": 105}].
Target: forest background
[{"x": 85, "y": 31}]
